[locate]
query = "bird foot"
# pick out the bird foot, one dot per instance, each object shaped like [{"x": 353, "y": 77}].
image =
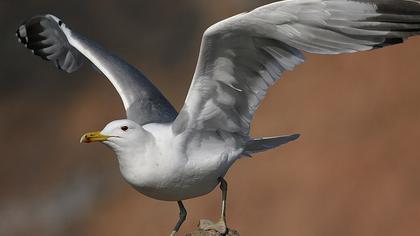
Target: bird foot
[{"x": 208, "y": 225}]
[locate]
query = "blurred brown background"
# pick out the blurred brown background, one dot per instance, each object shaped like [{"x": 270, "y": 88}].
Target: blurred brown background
[{"x": 354, "y": 171}]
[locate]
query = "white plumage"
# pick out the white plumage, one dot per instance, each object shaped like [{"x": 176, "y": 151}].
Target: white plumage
[{"x": 175, "y": 157}]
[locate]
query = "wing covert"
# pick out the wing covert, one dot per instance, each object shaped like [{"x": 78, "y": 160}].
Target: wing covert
[
  {"x": 48, "y": 37},
  {"x": 243, "y": 56}
]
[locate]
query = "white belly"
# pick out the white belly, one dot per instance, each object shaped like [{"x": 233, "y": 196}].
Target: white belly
[
  {"x": 178, "y": 182},
  {"x": 176, "y": 170}
]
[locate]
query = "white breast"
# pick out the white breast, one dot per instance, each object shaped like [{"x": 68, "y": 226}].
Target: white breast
[{"x": 176, "y": 168}]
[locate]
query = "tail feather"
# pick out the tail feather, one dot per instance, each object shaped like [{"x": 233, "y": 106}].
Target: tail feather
[{"x": 266, "y": 143}]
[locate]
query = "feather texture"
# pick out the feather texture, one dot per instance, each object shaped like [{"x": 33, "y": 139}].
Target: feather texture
[
  {"x": 49, "y": 38},
  {"x": 243, "y": 56}
]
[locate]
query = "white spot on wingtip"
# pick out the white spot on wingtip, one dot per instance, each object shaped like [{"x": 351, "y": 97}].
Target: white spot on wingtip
[{"x": 22, "y": 30}]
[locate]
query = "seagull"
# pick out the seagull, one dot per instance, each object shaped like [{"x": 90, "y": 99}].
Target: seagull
[{"x": 174, "y": 156}]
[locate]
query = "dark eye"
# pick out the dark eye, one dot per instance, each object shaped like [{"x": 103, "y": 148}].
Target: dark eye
[
  {"x": 60, "y": 22},
  {"x": 124, "y": 128}
]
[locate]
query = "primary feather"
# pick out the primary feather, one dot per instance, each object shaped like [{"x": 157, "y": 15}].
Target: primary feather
[
  {"x": 49, "y": 38},
  {"x": 243, "y": 56}
]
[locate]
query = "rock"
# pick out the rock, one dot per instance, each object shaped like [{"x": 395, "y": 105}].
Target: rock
[{"x": 201, "y": 232}]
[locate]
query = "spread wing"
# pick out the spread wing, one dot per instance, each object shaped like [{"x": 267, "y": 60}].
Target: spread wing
[
  {"x": 50, "y": 39},
  {"x": 242, "y": 56}
]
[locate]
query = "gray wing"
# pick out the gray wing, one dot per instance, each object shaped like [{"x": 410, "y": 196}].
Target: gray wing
[
  {"x": 50, "y": 39},
  {"x": 242, "y": 56}
]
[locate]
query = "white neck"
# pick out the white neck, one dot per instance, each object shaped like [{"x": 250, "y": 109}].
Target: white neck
[{"x": 135, "y": 154}]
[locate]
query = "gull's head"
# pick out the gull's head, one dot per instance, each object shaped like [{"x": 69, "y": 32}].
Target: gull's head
[{"x": 117, "y": 135}]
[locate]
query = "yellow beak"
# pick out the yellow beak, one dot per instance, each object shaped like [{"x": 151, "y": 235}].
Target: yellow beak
[{"x": 93, "y": 137}]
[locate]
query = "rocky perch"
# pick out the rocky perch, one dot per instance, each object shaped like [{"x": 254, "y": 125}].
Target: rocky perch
[{"x": 201, "y": 232}]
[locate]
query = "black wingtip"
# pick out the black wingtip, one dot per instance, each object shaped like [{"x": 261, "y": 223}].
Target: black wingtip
[
  {"x": 389, "y": 42},
  {"x": 294, "y": 137},
  {"x": 44, "y": 36},
  {"x": 30, "y": 35}
]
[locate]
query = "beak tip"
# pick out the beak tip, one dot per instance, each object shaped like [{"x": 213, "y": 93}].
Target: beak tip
[
  {"x": 93, "y": 137},
  {"x": 83, "y": 139}
]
